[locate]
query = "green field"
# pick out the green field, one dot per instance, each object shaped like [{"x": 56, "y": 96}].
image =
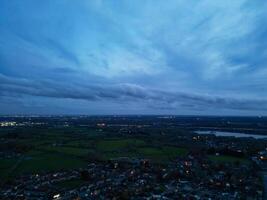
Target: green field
[
  {"x": 67, "y": 150},
  {"x": 64, "y": 151},
  {"x": 48, "y": 162},
  {"x": 37, "y": 161},
  {"x": 175, "y": 151},
  {"x": 163, "y": 153},
  {"x": 5, "y": 165},
  {"x": 136, "y": 148},
  {"x": 116, "y": 144},
  {"x": 229, "y": 159},
  {"x": 80, "y": 143},
  {"x": 48, "y": 157},
  {"x": 114, "y": 155}
]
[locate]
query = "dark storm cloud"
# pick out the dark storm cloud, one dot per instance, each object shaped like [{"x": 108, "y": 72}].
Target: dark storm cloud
[{"x": 126, "y": 92}]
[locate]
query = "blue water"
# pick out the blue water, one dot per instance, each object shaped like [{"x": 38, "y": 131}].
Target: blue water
[{"x": 231, "y": 134}]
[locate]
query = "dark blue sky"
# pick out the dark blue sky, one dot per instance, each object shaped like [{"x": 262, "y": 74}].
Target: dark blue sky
[{"x": 179, "y": 57}]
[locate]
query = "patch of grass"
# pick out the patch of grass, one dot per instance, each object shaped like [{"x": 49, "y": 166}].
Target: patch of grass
[
  {"x": 229, "y": 159},
  {"x": 48, "y": 162},
  {"x": 152, "y": 152},
  {"x": 113, "y": 145},
  {"x": 33, "y": 142},
  {"x": 174, "y": 151},
  {"x": 86, "y": 143},
  {"x": 164, "y": 153},
  {"x": 67, "y": 150},
  {"x": 7, "y": 162},
  {"x": 33, "y": 153},
  {"x": 113, "y": 155},
  {"x": 5, "y": 165}
]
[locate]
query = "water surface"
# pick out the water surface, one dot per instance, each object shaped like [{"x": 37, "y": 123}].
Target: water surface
[{"x": 232, "y": 134}]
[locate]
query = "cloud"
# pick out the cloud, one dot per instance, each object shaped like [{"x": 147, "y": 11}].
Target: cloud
[
  {"x": 194, "y": 55},
  {"x": 125, "y": 92},
  {"x": 117, "y": 62}
]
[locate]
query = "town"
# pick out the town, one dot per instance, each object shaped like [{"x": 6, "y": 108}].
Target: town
[{"x": 131, "y": 157}]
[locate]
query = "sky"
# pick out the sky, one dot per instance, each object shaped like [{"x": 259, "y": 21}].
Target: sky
[{"x": 178, "y": 57}]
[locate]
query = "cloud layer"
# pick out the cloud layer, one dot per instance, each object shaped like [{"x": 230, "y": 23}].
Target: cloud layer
[
  {"x": 156, "y": 99},
  {"x": 180, "y": 57}
]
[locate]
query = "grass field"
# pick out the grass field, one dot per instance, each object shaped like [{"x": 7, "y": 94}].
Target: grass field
[
  {"x": 7, "y": 162},
  {"x": 48, "y": 162},
  {"x": 73, "y": 151},
  {"x": 5, "y": 165},
  {"x": 229, "y": 159},
  {"x": 113, "y": 155},
  {"x": 116, "y": 144},
  {"x": 36, "y": 161},
  {"x": 46, "y": 157},
  {"x": 135, "y": 148},
  {"x": 80, "y": 143},
  {"x": 174, "y": 151},
  {"x": 163, "y": 153},
  {"x": 75, "y": 154}
]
